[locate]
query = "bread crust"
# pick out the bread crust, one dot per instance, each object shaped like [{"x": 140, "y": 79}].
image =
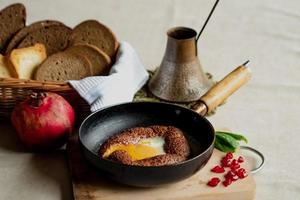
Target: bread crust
[
  {"x": 4, "y": 69},
  {"x": 100, "y": 62},
  {"x": 12, "y": 19},
  {"x": 63, "y": 66},
  {"x": 176, "y": 146},
  {"x": 94, "y": 33},
  {"x": 21, "y": 34},
  {"x": 55, "y": 38},
  {"x": 34, "y": 55}
]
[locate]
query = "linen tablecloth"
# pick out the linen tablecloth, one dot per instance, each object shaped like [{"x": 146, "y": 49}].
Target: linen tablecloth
[{"x": 266, "y": 110}]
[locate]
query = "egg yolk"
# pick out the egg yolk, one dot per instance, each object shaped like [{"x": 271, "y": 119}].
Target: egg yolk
[{"x": 142, "y": 150}]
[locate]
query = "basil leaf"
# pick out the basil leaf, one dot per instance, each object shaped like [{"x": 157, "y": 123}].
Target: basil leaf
[
  {"x": 222, "y": 147},
  {"x": 227, "y": 140},
  {"x": 236, "y": 136}
]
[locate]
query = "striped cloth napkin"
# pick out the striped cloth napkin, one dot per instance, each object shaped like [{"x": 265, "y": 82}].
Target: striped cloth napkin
[{"x": 125, "y": 78}]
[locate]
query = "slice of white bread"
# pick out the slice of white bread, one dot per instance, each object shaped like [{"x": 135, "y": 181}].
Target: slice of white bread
[
  {"x": 4, "y": 71},
  {"x": 24, "y": 61}
]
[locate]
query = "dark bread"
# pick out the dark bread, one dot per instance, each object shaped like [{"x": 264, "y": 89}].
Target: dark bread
[
  {"x": 95, "y": 33},
  {"x": 28, "y": 29},
  {"x": 12, "y": 19},
  {"x": 55, "y": 38},
  {"x": 63, "y": 66},
  {"x": 100, "y": 62}
]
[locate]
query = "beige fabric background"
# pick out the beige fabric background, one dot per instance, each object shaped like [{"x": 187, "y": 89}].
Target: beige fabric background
[{"x": 266, "y": 110}]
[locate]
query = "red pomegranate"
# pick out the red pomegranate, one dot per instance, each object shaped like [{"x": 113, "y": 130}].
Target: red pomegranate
[{"x": 43, "y": 121}]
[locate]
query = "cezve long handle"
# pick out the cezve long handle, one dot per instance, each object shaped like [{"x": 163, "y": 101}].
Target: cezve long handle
[{"x": 223, "y": 89}]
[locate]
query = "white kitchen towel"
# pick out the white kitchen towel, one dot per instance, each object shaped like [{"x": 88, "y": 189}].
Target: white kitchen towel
[{"x": 125, "y": 78}]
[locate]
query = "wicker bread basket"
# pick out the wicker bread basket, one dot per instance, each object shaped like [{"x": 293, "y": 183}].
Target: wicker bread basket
[{"x": 13, "y": 91}]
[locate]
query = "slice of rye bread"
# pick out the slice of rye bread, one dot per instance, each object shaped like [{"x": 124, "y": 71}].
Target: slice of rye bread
[
  {"x": 100, "y": 62},
  {"x": 63, "y": 66},
  {"x": 28, "y": 29},
  {"x": 12, "y": 19},
  {"x": 95, "y": 33},
  {"x": 55, "y": 38}
]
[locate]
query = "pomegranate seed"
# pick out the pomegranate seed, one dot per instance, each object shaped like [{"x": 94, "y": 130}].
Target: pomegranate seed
[
  {"x": 227, "y": 182},
  {"x": 241, "y": 173},
  {"x": 218, "y": 169},
  {"x": 240, "y": 159},
  {"x": 234, "y": 171},
  {"x": 213, "y": 182},
  {"x": 234, "y": 167},
  {"x": 229, "y": 175},
  {"x": 235, "y": 178},
  {"x": 241, "y": 170},
  {"x": 225, "y": 162},
  {"x": 234, "y": 161},
  {"x": 234, "y": 164},
  {"x": 229, "y": 155}
]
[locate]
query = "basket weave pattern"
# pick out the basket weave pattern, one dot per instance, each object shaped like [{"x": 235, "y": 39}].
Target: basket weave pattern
[{"x": 12, "y": 91}]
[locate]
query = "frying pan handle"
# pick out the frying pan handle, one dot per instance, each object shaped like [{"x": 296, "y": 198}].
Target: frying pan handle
[{"x": 223, "y": 89}]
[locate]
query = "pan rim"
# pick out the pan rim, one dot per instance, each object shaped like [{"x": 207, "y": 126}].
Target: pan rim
[{"x": 146, "y": 167}]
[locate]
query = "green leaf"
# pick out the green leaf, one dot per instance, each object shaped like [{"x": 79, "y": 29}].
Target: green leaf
[
  {"x": 227, "y": 140},
  {"x": 236, "y": 136},
  {"x": 223, "y": 147}
]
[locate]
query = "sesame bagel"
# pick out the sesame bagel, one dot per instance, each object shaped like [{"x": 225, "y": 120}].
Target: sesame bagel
[{"x": 175, "y": 146}]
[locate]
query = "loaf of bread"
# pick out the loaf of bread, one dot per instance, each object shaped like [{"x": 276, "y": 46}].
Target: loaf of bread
[
  {"x": 4, "y": 70},
  {"x": 12, "y": 19},
  {"x": 24, "y": 61},
  {"x": 100, "y": 61},
  {"x": 15, "y": 41},
  {"x": 94, "y": 33}
]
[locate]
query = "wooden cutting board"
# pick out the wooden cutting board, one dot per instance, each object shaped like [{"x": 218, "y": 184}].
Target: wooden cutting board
[{"x": 88, "y": 185}]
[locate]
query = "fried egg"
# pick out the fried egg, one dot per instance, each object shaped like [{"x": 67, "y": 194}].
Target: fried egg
[{"x": 145, "y": 148}]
